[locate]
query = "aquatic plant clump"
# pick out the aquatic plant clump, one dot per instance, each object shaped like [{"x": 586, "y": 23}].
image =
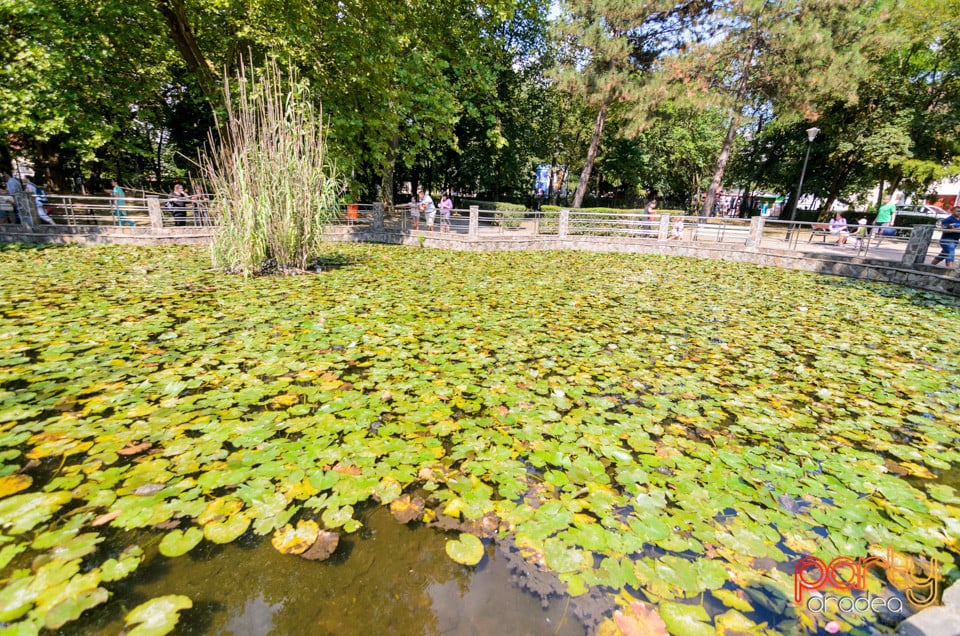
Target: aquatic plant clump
[
  {"x": 276, "y": 186},
  {"x": 676, "y": 438}
]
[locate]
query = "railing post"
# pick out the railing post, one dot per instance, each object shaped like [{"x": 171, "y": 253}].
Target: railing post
[
  {"x": 474, "y": 229},
  {"x": 563, "y": 223},
  {"x": 664, "y": 233},
  {"x": 156, "y": 214},
  {"x": 27, "y": 207},
  {"x": 755, "y": 235},
  {"x": 916, "y": 252},
  {"x": 378, "y": 216}
]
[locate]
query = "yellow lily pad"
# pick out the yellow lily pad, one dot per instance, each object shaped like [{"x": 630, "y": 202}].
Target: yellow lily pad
[{"x": 290, "y": 540}]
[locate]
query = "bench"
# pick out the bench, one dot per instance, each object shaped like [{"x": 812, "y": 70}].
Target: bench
[
  {"x": 819, "y": 229},
  {"x": 718, "y": 233}
]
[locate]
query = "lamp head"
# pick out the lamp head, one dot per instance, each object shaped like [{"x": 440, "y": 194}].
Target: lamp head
[{"x": 812, "y": 133}]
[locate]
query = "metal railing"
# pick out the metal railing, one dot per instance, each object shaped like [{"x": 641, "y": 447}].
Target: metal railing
[
  {"x": 95, "y": 211},
  {"x": 875, "y": 241},
  {"x": 902, "y": 245},
  {"x": 89, "y": 211}
]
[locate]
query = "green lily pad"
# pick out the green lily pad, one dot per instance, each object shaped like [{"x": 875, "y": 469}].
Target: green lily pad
[
  {"x": 71, "y": 609},
  {"x": 685, "y": 619},
  {"x": 158, "y": 616},
  {"x": 21, "y": 513},
  {"x": 467, "y": 550},
  {"x": 228, "y": 529},
  {"x": 178, "y": 542}
]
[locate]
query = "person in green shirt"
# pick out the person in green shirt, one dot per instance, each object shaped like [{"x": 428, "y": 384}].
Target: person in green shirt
[{"x": 886, "y": 215}]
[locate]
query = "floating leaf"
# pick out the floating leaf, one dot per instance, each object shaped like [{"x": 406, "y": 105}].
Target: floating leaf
[
  {"x": 689, "y": 620},
  {"x": 158, "y": 616},
  {"x": 179, "y": 542},
  {"x": 10, "y": 484},
  {"x": 228, "y": 529},
  {"x": 71, "y": 609},
  {"x": 128, "y": 561},
  {"x": 296, "y": 540},
  {"x": 467, "y": 550},
  {"x": 406, "y": 508},
  {"x": 21, "y": 513},
  {"x": 323, "y": 547},
  {"x": 639, "y": 619}
]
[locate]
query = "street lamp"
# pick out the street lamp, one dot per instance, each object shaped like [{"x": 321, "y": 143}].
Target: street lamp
[{"x": 811, "y": 135}]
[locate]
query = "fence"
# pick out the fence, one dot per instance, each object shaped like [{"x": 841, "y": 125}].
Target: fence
[
  {"x": 909, "y": 246},
  {"x": 87, "y": 211}
]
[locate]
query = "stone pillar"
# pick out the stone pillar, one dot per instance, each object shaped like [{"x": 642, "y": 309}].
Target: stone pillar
[
  {"x": 916, "y": 252},
  {"x": 756, "y": 231},
  {"x": 474, "y": 230},
  {"x": 156, "y": 214},
  {"x": 27, "y": 207},
  {"x": 378, "y": 216},
  {"x": 664, "y": 233},
  {"x": 563, "y": 225}
]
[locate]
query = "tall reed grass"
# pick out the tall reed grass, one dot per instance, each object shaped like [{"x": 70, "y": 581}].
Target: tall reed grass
[{"x": 275, "y": 186}]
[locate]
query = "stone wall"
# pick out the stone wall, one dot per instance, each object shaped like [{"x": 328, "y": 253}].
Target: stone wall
[{"x": 916, "y": 275}]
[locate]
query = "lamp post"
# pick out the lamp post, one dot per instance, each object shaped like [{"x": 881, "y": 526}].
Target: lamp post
[{"x": 811, "y": 135}]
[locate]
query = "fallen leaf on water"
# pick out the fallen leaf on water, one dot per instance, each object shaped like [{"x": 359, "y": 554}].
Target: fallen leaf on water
[
  {"x": 136, "y": 448},
  {"x": 323, "y": 547},
  {"x": 638, "y": 619},
  {"x": 406, "y": 508},
  {"x": 105, "y": 518}
]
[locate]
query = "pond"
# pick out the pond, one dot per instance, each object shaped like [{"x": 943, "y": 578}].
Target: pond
[{"x": 664, "y": 438}]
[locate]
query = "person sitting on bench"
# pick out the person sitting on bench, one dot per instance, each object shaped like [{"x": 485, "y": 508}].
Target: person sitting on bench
[{"x": 838, "y": 228}]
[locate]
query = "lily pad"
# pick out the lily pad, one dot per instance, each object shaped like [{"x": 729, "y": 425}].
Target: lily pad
[
  {"x": 178, "y": 542},
  {"x": 467, "y": 550},
  {"x": 158, "y": 616},
  {"x": 296, "y": 540}
]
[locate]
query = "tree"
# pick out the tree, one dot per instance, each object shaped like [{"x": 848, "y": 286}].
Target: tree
[
  {"x": 610, "y": 47},
  {"x": 793, "y": 55}
]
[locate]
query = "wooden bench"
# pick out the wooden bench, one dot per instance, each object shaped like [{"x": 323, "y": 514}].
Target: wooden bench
[
  {"x": 718, "y": 233},
  {"x": 819, "y": 229}
]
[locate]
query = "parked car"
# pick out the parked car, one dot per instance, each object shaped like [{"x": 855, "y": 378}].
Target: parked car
[{"x": 923, "y": 210}]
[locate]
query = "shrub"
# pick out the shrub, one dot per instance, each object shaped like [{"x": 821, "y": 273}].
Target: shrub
[
  {"x": 275, "y": 187},
  {"x": 499, "y": 206}
]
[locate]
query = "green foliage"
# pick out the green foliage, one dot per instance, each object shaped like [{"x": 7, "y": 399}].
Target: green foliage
[
  {"x": 683, "y": 432},
  {"x": 276, "y": 185},
  {"x": 500, "y": 206}
]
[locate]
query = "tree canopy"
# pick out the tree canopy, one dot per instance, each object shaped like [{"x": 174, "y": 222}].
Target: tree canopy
[{"x": 663, "y": 97}]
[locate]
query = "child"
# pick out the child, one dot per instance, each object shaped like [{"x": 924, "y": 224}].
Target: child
[
  {"x": 446, "y": 205},
  {"x": 415, "y": 212},
  {"x": 677, "y": 233},
  {"x": 861, "y": 233}
]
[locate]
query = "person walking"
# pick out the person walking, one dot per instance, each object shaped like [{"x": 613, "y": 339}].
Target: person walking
[
  {"x": 117, "y": 201},
  {"x": 886, "y": 215},
  {"x": 949, "y": 238},
  {"x": 13, "y": 187}
]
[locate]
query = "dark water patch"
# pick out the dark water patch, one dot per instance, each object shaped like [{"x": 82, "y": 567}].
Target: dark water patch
[{"x": 388, "y": 578}]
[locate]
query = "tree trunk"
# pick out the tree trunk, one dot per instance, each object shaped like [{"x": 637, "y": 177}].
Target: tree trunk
[
  {"x": 175, "y": 13},
  {"x": 722, "y": 161},
  {"x": 836, "y": 185},
  {"x": 591, "y": 154},
  {"x": 736, "y": 116},
  {"x": 389, "y": 164},
  {"x": 50, "y": 161}
]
